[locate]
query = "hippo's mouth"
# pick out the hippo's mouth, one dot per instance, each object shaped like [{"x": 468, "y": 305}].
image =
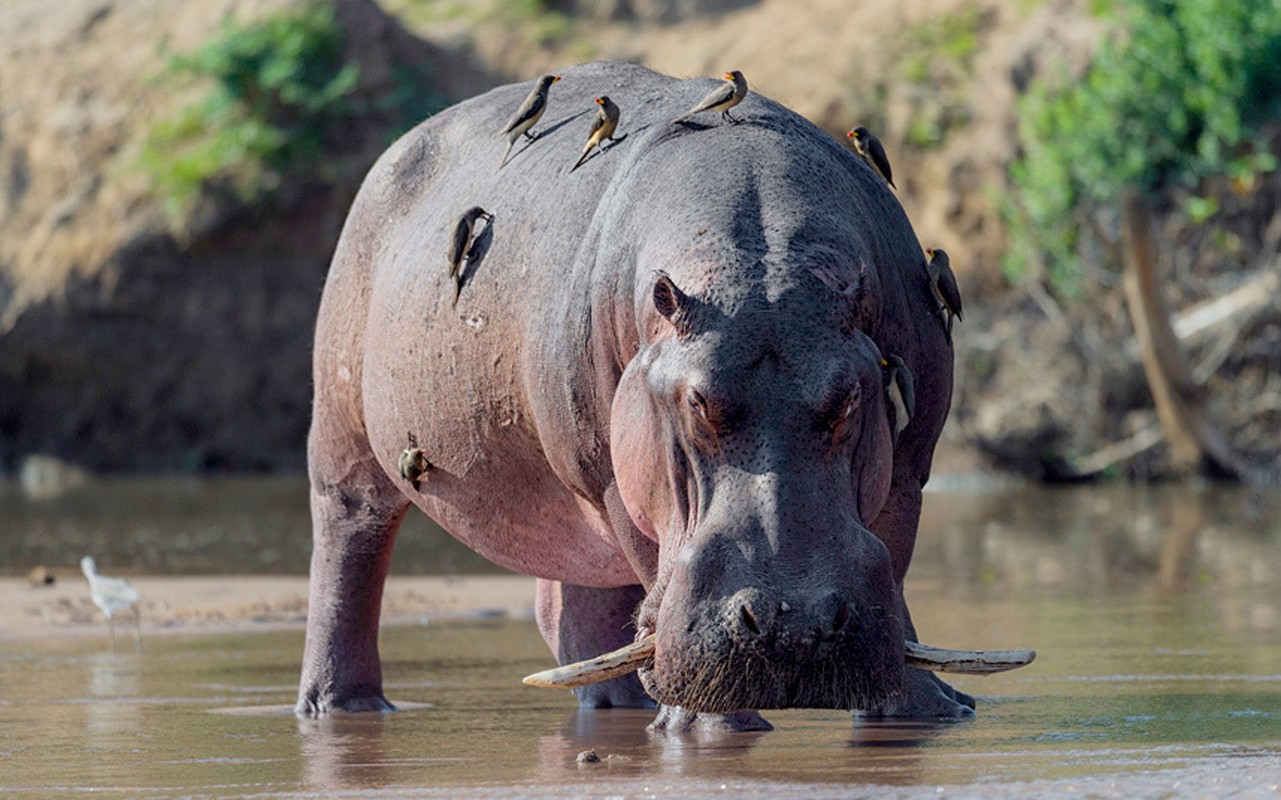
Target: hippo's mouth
[{"x": 640, "y": 654}]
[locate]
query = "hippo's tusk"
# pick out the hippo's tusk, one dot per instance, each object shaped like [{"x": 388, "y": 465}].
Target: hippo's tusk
[
  {"x": 624, "y": 660},
  {"x": 969, "y": 662},
  {"x": 629, "y": 658}
]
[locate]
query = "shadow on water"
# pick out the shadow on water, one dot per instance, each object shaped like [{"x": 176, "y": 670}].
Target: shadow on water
[{"x": 1155, "y": 613}]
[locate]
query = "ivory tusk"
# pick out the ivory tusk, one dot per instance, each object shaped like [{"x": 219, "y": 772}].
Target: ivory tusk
[
  {"x": 967, "y": 662},
  {"x": 632, "y": 657},
  {"x": 622, "y": 661}
]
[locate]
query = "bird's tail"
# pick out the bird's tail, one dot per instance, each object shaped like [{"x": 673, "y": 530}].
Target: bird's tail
[
  {"x": 458, "y": 289},
  {"x": 581, "y": 158},
  {"x": 510, "y": 144}
]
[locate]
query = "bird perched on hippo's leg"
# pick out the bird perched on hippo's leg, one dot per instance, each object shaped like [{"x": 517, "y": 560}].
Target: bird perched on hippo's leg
[
  {"x": 460, "y": 245},
  {"x": 722, "y": 99},
  {"x": 872, "y": 152},
  {"x": 943, "y": 282},
  {"x": 603, "y": 128},
  {"x": 527, "y": 115}
]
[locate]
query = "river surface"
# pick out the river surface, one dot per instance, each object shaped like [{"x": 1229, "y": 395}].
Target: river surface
[{"x": 1156, "y": 613}]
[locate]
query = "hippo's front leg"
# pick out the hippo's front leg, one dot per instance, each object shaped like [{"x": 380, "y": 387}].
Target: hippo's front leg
[
  {"x": 923, "y": 694},
  {"x": 354, "y": 529},
  {"x": 579, "y": 622}
]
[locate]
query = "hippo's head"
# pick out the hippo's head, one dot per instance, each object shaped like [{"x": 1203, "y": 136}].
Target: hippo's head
[{"x": 753, "y": 444}]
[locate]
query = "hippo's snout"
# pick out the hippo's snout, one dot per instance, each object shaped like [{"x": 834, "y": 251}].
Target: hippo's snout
[
  {"x": 826, "y": 637},
  {"x": 776, "y": 627}
]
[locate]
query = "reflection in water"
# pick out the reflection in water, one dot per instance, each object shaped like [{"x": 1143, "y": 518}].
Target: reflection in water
[
  {"x": 343, "y": 752},
  {"x": 617, "y": 735},
  {"x": 891, "y": 752},
  {"x": 113, "y": 710}
]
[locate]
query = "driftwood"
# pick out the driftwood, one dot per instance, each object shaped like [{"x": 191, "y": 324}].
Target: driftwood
[
  {"x": 1212, "y": 329},
  {"x": 1193, "y": 440}
]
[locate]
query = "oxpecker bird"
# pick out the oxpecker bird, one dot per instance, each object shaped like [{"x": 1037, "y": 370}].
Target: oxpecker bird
[
  {"x": 603, "y": 128},
  {"x": 413, "y": 463},
  {"x": 723, "y": 98},
  {"x": 898, "y": 386},
  {"x": 460, "y": 245},
  {"x": 945, "y": 289},
  {"x": 527, "y": 115},
  {"x": 111, "y": 595},
  {"x": 872, "y": 152}
]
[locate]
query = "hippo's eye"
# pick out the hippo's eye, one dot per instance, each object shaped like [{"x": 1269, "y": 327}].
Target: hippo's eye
[
  {"x": 697, "y": 403},
  {"x": 841, "y": 421},
  {"x": 848, "y": 410}
]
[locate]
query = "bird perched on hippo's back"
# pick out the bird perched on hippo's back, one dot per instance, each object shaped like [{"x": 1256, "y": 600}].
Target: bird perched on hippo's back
[
  {"x": 943, "y": 282},
  {"x": 872, "y": 152},
  {"x": 902, "y": 395},
  {"x": 527, "y": 116},
  {"x": 722, "y": 98},
  {"x": 603, "y": 128},
  {"x": 460, "y": 244}
]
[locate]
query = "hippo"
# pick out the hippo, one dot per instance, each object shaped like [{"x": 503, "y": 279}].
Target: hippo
[{"x": 661, "y": 394}]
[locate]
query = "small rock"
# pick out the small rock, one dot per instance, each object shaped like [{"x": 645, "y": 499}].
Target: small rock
[{"x": 41, "y": 576}]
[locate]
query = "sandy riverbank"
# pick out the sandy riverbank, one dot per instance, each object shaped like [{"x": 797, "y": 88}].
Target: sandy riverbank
[{"x": 244, "y": 602}]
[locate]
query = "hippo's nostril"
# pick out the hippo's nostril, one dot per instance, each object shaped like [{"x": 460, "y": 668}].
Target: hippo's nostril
[
  {"x": 842, "y": 617},
  {"x": 749, "y": 621}
]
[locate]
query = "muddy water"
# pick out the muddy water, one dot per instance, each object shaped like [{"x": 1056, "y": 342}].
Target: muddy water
[{"x": 1156, "y": 614}]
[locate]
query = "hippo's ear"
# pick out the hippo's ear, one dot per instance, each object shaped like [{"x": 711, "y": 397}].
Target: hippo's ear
[
  {"x": 672, "y": 303},
  {"x": 856, "y": 298}
]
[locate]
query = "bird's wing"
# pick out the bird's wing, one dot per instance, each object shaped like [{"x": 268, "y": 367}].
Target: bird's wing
[
  {"x": 117, "y": 591},
  {"x": 950, "y": 291},
  {"x": 907, "y": 389},
  {"x": 596, "y": 126},
  {"x": 877, "y": 151},
  {"x": 722, "y": 94},
  {"x": 458, "y": 246},
  {"x": 532, "y": 105}
]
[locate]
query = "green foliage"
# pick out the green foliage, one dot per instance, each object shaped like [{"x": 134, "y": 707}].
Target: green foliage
[
  {"x": 1173, "y": 97},
  {"x": 277, "y": 88},
  {"x": 937, "y": 62}
]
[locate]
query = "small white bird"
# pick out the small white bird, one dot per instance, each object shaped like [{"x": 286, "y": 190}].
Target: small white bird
[{"x": 112, "y": 595}]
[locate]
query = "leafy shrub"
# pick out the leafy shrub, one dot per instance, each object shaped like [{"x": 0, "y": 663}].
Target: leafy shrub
[
  {"x": 277, "y": 88},
  {"x": 936, "y": 60},
  {"x": 1174, "y": 96}
]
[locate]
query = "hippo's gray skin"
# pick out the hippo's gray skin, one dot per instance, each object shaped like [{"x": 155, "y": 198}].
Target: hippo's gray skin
[{"x": 714, "y": 446}]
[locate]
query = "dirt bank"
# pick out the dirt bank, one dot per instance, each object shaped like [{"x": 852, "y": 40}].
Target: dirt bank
[{"x": 244, "y": 603}]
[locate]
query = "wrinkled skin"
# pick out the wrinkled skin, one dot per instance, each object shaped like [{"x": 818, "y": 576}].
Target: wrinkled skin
[{"x": 660, "y": 394}]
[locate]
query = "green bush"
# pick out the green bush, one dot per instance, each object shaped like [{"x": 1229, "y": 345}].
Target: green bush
[
  {"x": 936, "y": 60},
  {"x": 277, "y": 88},
  {"x": 1173, "y": 96}
]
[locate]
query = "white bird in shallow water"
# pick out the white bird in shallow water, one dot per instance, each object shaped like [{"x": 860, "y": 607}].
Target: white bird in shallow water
[{"x": 112, "y": 595}]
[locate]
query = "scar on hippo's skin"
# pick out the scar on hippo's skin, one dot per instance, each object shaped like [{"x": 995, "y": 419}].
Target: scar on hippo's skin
[{"x": 413, "y": 462}]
